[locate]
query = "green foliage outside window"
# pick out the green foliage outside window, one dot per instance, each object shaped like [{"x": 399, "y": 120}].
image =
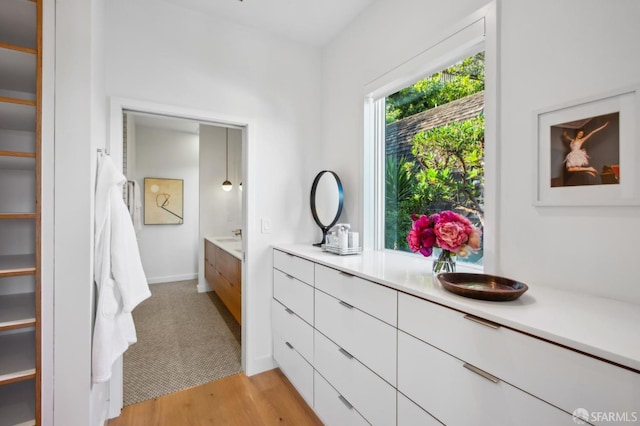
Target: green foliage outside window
[
  {"x": 446, "y": 171},
  {"x": 456, "y": 82}
]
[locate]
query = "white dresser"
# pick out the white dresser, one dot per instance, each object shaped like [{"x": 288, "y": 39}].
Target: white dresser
[{"x": 370, "y": 339}]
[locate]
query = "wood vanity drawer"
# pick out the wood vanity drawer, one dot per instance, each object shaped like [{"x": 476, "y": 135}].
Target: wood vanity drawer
[
  {"x": 372, "y": 298},
  {"x": 333, "y": 408},
  {"x": 562, "y": 377},
  {"x": 294, "y": 294},
  {"x": 371, "y": 396},
  {"x": 294, "y": 266},
  {"x": 411, "y": 414},
  {"x": 209, "y": 252},
  {"x": 229, "y": 266},
  {"x": 370, "y": 340},
  {"x": 292, "y": 329},
  {"x": 229, "y": 295},
  {"x": 210, "y": 273},
  {"x": 456, "y": 395},
  {"x": 294, "y": 366}
]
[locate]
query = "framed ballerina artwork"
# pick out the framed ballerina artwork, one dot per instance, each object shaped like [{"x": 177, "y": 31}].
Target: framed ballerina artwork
[{"x": 587, "y": 153}]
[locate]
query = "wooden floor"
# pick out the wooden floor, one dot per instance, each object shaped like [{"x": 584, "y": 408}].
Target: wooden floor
[{"x": 264, "y": 399}]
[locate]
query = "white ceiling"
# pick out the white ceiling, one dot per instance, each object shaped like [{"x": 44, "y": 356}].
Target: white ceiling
[{"x": 313, "y": 22}]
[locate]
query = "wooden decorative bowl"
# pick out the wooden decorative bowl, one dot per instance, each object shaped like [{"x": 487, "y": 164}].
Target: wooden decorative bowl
[{"x": 482, "y": 286}]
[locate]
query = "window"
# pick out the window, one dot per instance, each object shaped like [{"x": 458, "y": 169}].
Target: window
[
  {"x": 425, "y": 138},
  {"x": 434, "y": 149}
]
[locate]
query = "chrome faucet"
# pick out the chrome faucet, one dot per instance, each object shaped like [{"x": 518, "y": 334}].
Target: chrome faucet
[{"x": 237, "y": 232}]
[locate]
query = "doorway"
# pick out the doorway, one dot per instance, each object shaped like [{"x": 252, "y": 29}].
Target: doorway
[{"x": 153, "y": 133}]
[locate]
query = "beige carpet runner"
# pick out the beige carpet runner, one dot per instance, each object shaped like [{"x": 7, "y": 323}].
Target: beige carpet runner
[{"x": 185, "y": 339}]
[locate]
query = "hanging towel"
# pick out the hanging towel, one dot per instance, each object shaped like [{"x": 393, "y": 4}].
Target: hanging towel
[
  {"x": 135, "y": 204},
  {"x": 120, "y": 279}
]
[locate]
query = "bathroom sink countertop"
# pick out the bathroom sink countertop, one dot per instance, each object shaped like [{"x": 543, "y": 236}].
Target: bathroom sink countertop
[
  {"x": 231, "y": 245},
  {"x": 598, "y": 326}
]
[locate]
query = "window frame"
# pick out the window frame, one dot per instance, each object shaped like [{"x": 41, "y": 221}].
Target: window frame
[{"x": 476, "y": 33}]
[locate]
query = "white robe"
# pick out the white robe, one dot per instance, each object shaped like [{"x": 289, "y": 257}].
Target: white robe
[{"x": 120, "y": 279}]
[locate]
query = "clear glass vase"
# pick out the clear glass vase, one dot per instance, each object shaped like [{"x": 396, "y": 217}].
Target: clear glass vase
[{"x": 446, "y": 262}]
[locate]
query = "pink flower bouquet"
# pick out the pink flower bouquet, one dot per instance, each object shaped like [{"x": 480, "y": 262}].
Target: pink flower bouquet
[{"x": 450, "y": 231}]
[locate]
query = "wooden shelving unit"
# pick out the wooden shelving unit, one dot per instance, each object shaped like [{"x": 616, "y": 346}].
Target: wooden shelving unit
[{"x": 20, "y": 99}]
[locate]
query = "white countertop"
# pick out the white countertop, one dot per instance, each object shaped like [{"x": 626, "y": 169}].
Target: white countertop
[
  {"x": 231, "y": 245},
  {"x": 602, "y": 327}
]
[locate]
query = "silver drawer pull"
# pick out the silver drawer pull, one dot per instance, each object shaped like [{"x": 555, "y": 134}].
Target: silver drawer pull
[
  {"x": 345, "y": 353},
  {"x": 346, "y": 274},
  {"x": 482, "y": 321},
  {"x": 289, "y": 311},
  {"x": 345, "y": 304},
  {"x": 289, "y": 344},
  {"x": 289, "y": 276},
  {"x": 482, "y": 373},
  {"x": 345, "y": 402}
]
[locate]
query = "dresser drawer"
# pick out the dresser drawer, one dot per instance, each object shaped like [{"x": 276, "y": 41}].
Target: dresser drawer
[
  {"x": 292, "y": 329},
  {"x": 294, "y": 294},
  {"x": 441, "y": 385},
  {"x": 371, "y": 396},
  {"x": 294, "y": 366},
  {"x": 410, "y": 414},
  {"x": 333, "y": 408},
  {"x": 293, "y": 265},
  {"x": 370, "y": 340},
  {"x": 372, "y": 298},
  {"x": 560, "y": 376}
]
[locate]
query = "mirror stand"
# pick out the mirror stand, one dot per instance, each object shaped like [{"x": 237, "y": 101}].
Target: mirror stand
[
  {"x": 325, "y": 230},
  {"x": 326, "y": 202}
]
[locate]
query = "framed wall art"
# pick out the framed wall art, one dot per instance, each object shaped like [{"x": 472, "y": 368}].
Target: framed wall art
[
  {"x": 587, "y": 153},
  {"x": 163, "y": 201}
]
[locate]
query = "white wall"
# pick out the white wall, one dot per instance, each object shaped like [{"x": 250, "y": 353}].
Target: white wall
[
  {"x": 579, "y": 248},
  {"x": 550, "y": 53},
  {"x": 80, "y": 115},
  {"x": 169, "y": 252},
  {"x": 220, "y": 211},
  {"x": 186, "y": 59}
]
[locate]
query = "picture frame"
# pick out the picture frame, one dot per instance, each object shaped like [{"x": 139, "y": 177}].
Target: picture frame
[
  {"x": 587, "y": 152},
  {"x": 163, "y": 201}
]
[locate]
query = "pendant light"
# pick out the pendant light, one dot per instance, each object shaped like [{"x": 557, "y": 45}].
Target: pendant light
[{"x": 227, "y": 185}]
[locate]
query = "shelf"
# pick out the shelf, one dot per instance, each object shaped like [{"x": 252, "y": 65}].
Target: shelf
[
  {"x": 17, "y": 311},
  {"x": 17, "y": 357},
  {"x": 18, "y": 404},
  {"x": 20, "y": 85},
  {"x": 17, "y": 69},
  {"x": 18, "y": 23},
  {"x": 17, "y": 264},
  {"x": 9, "y": 216},
  {"x": 17, "y": 114},
  {"x": 12, "y": 160},
  {"x": 17, "y": 140}
]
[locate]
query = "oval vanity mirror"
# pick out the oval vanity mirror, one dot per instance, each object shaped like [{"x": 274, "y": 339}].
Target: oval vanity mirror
[{"x": 326, "y": 201}]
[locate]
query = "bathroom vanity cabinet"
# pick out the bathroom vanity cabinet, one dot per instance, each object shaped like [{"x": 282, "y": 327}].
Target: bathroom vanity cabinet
[
  {"x": 371, "y": 339},
  {"x": 20, "y": 87},
  {"x": 223, "y": 272}
]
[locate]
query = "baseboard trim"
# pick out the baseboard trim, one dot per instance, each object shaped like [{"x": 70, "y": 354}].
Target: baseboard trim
[
  {"x": 260, "y": 365},
  {"x": 204, "y": 287},
  {"x": 172, "y": 278}
]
